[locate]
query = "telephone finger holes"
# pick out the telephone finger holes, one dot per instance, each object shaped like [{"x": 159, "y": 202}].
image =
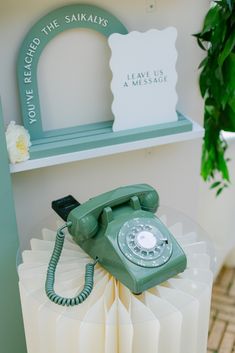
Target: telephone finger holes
[{"x": 142, "y": 242}]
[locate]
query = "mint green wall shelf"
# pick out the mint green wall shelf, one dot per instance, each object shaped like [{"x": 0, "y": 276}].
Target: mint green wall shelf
[
  {"x": 101, "y": 135},
  {"x": 11, "y": 326},
  {"x": 196, "y": 132}
]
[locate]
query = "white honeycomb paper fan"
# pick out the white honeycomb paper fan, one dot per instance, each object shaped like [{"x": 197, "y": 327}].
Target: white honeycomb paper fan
[{"x": 168, "y": 318}]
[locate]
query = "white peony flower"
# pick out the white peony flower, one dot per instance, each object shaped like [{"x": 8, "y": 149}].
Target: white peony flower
[{"x": 18, "y": 142}]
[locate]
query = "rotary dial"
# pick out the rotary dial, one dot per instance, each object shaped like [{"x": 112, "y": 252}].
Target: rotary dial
[{"x": 142, "y": 242}]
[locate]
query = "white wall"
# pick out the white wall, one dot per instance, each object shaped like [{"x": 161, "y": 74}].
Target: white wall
[
  {"x": 172, "y": 169},
  {"x": 217, "y": 215}
]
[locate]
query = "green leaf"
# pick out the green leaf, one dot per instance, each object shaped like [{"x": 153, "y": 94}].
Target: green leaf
[
  {"x": 229, "y": 46},
  {"x": 223, "y": 166},
  {"x": 214, "y": 185},
  {"x": 229, "y": 72},
  {"x": 203, "y": 36},
  {"x": 231, "y": 103},
  {"x": 212, "y": 111},
  {"x": 205, "y": 163},
  {"x": 203, "y": 83},
  {"x": 224, "y": 98},
  {"x": 219, "y": 75},
  {"x": 218, "y": 35},
  {"x": 200, "y": 43},
  {"x": 219, "y": 191},
  {"x": 212, "y": 19},
  {"x": 216, "y": 88},
  {"x": 203, "y": 63},
  {"x": 227, "y": 120}
]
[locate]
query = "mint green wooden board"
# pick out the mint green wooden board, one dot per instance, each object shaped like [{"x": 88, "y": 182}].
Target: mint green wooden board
[
  {"x": 88, "y": 138},
  {"x": 12, "y": 338}
]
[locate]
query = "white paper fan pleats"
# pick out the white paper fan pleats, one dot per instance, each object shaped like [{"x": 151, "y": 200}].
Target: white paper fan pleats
[{"x": 169, "y": 318}]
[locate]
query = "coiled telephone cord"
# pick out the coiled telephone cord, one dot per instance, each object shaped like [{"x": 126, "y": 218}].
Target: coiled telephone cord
[{"x": 50, "y": 279}]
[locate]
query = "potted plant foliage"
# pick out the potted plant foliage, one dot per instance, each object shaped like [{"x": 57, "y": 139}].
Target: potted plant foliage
[{"x": 217, "y": 86}]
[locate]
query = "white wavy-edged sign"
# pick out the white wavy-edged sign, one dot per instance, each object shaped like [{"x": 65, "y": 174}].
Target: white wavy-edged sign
[{"x": 144, "y": 78}]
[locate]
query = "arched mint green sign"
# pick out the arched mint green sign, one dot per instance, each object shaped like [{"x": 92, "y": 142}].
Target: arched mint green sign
[{"x": 57, "y": 21}]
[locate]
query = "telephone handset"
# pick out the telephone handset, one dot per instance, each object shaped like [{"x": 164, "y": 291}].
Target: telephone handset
[
  {"x": 95, "y": 213},
  {"x": 119, "y": 230}
]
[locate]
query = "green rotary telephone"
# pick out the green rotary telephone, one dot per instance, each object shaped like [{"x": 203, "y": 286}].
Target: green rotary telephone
[{"x": 118, "y": 229}]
